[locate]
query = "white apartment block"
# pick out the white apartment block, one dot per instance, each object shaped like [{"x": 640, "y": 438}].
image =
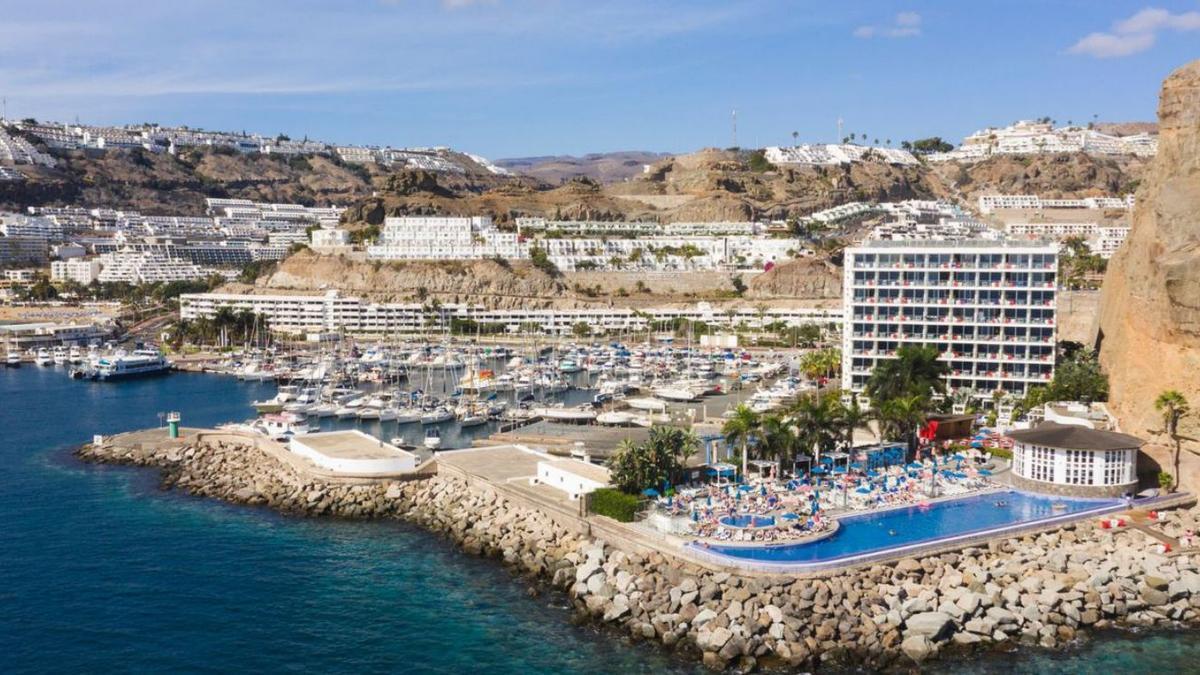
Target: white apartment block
[
  {"x": 1028, "y": 137},
  {"x": 988, "y": 307},
  {"x": 331, "y": 312},
  {"x": 76, "y": 269},
  {"x": 146, "y": 267},
  {"x": 17, "y": 225},
  {"x": 326, "y": 238},
  {"x": 606, "y": 228},
  {"x": 1103, "y": 240},
  {"x": 831, "y": 154},
  {"x": 444, "y": 238},
  {"x": 992, "y": 203}
]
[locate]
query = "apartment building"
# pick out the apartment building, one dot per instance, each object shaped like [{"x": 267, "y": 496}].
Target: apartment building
[
  {"x": 991, "y": 203},
  {"x": 23, "y": 250},
  {"x": 445, "y": 238},
  {"x": 832, "y": 154},
  {"x": 988, "y": 307},
  {"x": 146, "y": 267},
  {"x": 76, "y": 269},
  {"x": 332, "y": 312}
]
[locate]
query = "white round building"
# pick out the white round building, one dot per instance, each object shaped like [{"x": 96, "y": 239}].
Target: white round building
[{"x": 1071, "y": 460}]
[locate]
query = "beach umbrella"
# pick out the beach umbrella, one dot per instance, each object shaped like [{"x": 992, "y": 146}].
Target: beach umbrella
[{"x": 650, "y": 492}]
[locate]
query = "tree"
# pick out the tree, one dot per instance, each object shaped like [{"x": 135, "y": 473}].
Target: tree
[
  {"x": 1174, "y": 407},
  {"x": 815, "y": 417},
  {"x": 795, "y": 137},
  {"x": 581, "y": 329},
  {"x": 740, "y": 428},
  {"x": 779, "y": 440},
  {"x": 660, "y": 459},
  {"x": 903, "y": 417},
  {"x": 928, "y": 145},
  {"x": 915, "y": 371},
  {"x": 541, "y": 260},
  {"x": 852, "y": 416},
  {"x": 1079, "y": 378}
]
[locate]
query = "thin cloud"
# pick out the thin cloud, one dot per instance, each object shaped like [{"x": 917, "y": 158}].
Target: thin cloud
[
  {"x": 1135, "y": 34},
  {"x": 904, "y": 25}
]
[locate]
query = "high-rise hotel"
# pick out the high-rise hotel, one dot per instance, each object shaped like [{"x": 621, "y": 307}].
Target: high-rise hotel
[{"x": 988, "y": 306}]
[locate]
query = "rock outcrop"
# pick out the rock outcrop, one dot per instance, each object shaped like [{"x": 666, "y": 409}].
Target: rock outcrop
[
  {"x": 803, "y": 278},
  {"x": 1149, "y": 327}
]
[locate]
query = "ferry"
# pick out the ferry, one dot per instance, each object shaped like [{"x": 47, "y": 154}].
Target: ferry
[{"x": 141, "y": 363}]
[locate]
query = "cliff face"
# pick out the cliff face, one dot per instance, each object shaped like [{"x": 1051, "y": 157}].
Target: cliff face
[{"x": 1150, "y": 305}]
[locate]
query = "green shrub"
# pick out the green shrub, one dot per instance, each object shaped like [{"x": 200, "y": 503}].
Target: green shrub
[
  {"x": 615, "y": 504},
  {"x": 1001, "y": 452},
  {"x": 1165, "y": 480}
]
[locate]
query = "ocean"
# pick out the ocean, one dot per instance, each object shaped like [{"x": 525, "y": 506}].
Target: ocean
[{"x": 101, "y": 571}]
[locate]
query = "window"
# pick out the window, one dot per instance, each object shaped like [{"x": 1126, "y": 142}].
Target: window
[
  {"x": 1079, "y": 467},
  {"x": 1116, "y": 466},
  {"x": 1040, "y": 463}
]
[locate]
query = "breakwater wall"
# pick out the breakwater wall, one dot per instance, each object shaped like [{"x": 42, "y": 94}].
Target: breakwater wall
[{"x": 1035, "y": 590}]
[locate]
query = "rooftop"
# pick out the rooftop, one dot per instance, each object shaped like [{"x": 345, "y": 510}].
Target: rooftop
[
  {"x": 583, "y": 469},
  {"x": 1073, "y": 437},
  {"x": 350, "y": 444}
]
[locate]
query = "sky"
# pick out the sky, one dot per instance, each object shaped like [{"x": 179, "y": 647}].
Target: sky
[{"x": 509, "y": 78}]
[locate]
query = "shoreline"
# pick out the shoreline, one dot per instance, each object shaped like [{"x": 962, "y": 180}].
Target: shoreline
[{"x": 1033, "y": 590}]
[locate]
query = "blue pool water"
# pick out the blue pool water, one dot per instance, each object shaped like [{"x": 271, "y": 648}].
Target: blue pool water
[
  {"x": 915, "y": 525},
  {"x": 747, "y": 520}
]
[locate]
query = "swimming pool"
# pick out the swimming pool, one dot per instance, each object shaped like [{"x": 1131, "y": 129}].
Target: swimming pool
[
  {"x": 873, "y": 535},
  {"x": 745, "y": 520}
]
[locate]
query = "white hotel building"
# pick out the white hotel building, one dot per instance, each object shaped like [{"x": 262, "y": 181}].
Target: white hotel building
[
  {"x": 332, "y": 312},
  {"x": 444, "y": 238},
  {"x": 989, "y": 308}
]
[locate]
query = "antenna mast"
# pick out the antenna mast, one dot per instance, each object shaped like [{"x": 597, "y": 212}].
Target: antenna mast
[
  {"x": 840, "y": 136},
  {"x": 734, "y": 118}
]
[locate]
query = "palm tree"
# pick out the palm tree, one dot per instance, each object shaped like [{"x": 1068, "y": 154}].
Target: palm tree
[
  {"x": 223, "y": 320},
  {"x": 916, "y": 371},
  {"x": 853, "y": 416},
  {"x": 904, "y": 416},
  {"x": 1173, "y": 407},
  {"x": 795, "y": 137},
  {"x": 816, "y": 422},
  {"x": 738, "y": 429},
  {"x": 779, "y": 440}
]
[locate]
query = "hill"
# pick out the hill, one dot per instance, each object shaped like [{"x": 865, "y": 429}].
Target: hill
[{"x": 604, "y": 167}]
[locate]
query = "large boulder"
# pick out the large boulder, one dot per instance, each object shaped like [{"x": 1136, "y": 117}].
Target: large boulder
[{"x": 933, "y": 625}]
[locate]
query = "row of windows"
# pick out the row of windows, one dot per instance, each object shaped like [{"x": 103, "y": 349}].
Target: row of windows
[{"x": 1074, "y": 467}]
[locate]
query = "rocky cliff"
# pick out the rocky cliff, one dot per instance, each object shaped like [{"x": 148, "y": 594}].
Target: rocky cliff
[
  {"x": 1150, "y": 306},
  {"x": 803, "y": 278},
  {"x": 478, "y": 281}
]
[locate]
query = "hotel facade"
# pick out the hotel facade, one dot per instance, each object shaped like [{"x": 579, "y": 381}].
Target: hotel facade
[
  {"x": 988, "y": 307},
  {"x": 333, "y": 312}
]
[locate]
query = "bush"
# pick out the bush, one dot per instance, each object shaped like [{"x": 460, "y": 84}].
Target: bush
[
  {"x": 614, "y": 504},
  {"x": 1000, "y": 452},
  {"x": 1165, "y": 480}
]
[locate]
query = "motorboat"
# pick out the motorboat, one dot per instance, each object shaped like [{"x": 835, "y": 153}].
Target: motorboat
[
  {"x": 43, "y": 357},
  {"x": 60, "y": 356},
  {"x": 283, "y": 426},
  {"x": 615, "y": 418},
  {"x": 141, "y": 363},
  {"x": 75, "y": 356},
  {"x": 12, "y": 360},
  {"x": 433, "y": 438},
  {"x": 649, "y": 404},
  {"x": 408, "y": 415},
  {"x": 565, "y": 414}
]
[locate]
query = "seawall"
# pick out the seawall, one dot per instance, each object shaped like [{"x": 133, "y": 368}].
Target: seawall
[{"x": 1036, "y": 590}]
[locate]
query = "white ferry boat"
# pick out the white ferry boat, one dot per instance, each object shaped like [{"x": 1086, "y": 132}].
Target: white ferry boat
[{"x": 141, "y": 363}]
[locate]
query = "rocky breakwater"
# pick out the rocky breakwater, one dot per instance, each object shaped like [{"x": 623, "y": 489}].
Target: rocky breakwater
[{"x": 1037, "y": 590}]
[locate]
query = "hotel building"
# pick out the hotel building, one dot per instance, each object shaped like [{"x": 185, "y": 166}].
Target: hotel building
[
  {"x": 988, "y": 307},
  {"x": 332, "y": 312}
]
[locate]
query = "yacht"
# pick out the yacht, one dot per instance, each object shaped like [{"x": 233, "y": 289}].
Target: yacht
[
  {"x": 408, "y": 415},
  {"x": 141, "y": 363},
  {"x": 12, "y": 360},
  {"x": 565, "y": 414},
  {"x": 43, "y": 357},
  {"x": 437, "y": 415},
  {"x": 283, "y": 426},
  {"x": 60, "y": 356},
  {"x": 75, "y": 356}
]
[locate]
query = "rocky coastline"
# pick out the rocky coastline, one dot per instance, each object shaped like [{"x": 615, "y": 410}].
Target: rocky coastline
[{"x": 1037, "y": 590}]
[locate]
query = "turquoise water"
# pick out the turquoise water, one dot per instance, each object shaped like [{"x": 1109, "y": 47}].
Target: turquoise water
[
  {"x": 916, "y": 525},
  {"x": 100, "y": 571}
]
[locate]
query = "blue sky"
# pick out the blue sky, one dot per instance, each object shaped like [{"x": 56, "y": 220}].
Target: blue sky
[{"x": 527, "y": 77}]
